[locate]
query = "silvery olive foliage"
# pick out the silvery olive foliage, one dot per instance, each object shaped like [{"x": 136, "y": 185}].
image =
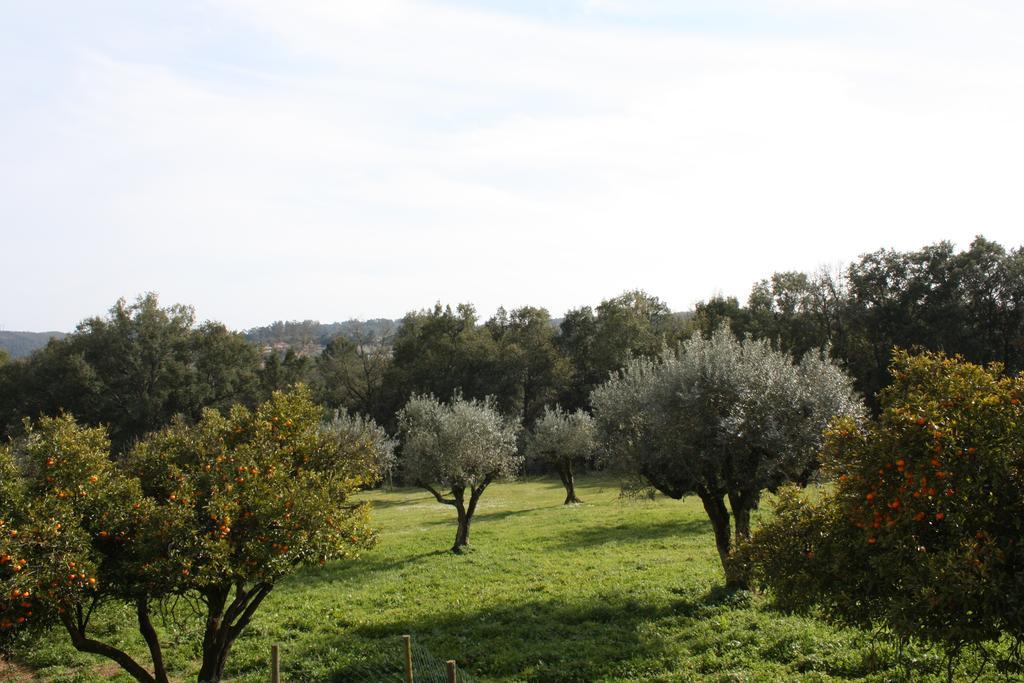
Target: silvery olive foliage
[
  {"x": 561, "y": 436},
  {"x": 464, "y": 443},
  {"x": 564, "y": 440},
  {"x": 721, "y": 418},
  {"x": 457, "y": 449},
  {"x": 348, "y": 427}
]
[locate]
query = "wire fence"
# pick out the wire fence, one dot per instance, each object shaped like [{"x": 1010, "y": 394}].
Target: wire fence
[{"x": 408, "y": 663}]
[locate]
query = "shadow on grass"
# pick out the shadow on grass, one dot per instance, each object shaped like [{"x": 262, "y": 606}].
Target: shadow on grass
[
  {"x": 348, "y": 571},
  {"x": 532, "y": 641},
  {"x": 410, "y": 497},
  {"x": 719, "y": 597},
  {"x": 629, "y": 532},
  {"x": 602, "y": 638},
  {"x": 504, "y": 514}
]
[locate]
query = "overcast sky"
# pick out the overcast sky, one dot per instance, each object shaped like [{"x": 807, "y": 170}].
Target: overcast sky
[{"x": 267, "y": 160}]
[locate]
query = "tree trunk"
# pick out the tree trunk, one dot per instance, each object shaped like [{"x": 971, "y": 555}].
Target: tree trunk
[
  {"x": 462, "y": 534},
  {"x": 152, "y": 640},
  {"x": 216, "y": 600},
  {"x": 714, "y": 505},
  {"x": 741, "y": 505},
  {"x": 466, "y": 513},
  {"x": 566, "y": 474},
  {"x": 224, "y": 624}
]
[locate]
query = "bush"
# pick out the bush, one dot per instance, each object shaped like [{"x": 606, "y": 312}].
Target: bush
[{"x": 922, "y": 530}]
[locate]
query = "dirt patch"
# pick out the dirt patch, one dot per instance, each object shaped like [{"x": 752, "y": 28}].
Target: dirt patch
[
  {"x": 11, "y": 672},
  {"x": 108, "y": 670}
]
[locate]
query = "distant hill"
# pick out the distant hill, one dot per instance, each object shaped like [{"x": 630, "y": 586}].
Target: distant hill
[
  {"x": 310, "y": 336},
  {"x": 21, "y": 344}
]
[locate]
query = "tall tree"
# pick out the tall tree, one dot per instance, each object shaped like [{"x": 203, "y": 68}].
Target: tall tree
[
  {"x": 901, "y": 299},
  {"x": 530, "y": 370},
  {"x": 351, "y": 370},
  {"x": 969, "y": 303},
  {"x": 722, "y": 310},
  {"x": 442, "y": 352},
  {"x": 133, "y": 371},
  {"x": 797, "y": 312},
  {"x": 597, "y": 344},
  {"x": 992, "y": 285},
  {"x": 576, "y": 341},
  {"x": 282, "y": 371},
  {"x": 724, "y": 419}
]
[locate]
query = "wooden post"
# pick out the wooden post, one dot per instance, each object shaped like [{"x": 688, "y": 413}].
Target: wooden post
[
  {"x": 275, "y": 663},
  {"x": 451, "y": 671},
  {"x": 407, "y": 640}
]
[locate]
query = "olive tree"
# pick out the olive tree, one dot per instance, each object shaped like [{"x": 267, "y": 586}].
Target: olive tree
[
  {"x": 563, "y": 439},
  {"x": 216, "y": 512},
  {"x": 348, "y": 428},
  {"x": 723, "y": 419},
  {"x": 456, "y": 449}
]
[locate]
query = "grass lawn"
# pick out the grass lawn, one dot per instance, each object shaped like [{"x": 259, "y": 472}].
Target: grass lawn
[{"x": 610, "y": 590}]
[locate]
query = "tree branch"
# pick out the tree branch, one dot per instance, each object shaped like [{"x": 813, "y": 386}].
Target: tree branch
[
  {"x": 152, "y": 640},
  {"x": 437, "y": 494},
  {"x": 237, "y": 605},
  {"x": 83, "y": 644},
  {"x": 258, "y": 594}
]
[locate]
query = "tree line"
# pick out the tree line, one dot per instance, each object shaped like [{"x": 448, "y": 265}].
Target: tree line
[{"x": 142, "y": 364}]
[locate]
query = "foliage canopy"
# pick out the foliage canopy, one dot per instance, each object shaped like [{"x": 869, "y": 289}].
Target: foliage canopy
[
  {"x": 218, "y": 511},
  {"x": 457, "y": 447},
  {"x": 724, "y": 419},
  {"x": 922, "y": 529}
]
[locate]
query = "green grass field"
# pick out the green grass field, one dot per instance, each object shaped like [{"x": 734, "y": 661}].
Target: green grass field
[{"x": 611, "y": 590}]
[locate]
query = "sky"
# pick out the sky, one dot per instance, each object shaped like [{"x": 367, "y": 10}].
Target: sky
[{"x": 334, "y": 159}]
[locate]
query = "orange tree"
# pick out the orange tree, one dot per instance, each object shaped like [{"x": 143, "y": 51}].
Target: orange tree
[
  {"x": 922, "y": 530},
  {"x": 218, "y": 511}
]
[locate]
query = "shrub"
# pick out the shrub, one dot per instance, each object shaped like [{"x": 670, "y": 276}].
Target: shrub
[{"x": 922, "y": 530}]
